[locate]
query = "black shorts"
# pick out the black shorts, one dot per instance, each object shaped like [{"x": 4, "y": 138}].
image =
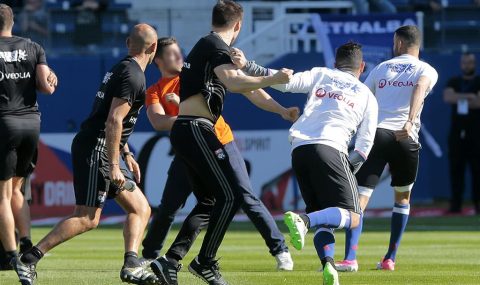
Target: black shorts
[
  {"x": 91, "y": 171},
  {"x": 18, "y": 142},
  {"x": 401, "y": 156},
  {"x": 325, "y": 177}
]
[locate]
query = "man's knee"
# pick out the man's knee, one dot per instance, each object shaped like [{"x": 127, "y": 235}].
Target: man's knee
[
  {"x": 402, "y": 193},
  {"x": 354, "y": 220},
  {"x": 89, "y": 217}
]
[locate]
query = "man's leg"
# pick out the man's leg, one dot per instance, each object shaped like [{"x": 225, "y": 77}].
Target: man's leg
[
  {"x": 7, "y": 223},
  {"x": 475, "y": 170},
  {"x": 138, "y": 212},
  {"x": 253, "y": 207},
  {"x": 21, "y": 213},
  {"x": 457, "y": 164},
  {"x": 177, "y": 189}
]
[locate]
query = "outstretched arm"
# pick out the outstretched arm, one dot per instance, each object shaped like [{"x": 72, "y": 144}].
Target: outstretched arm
[
  {"x": 264, "y": 101},
  {"x": 235, "y": 82},
  {"x": 159, "y": 120}
]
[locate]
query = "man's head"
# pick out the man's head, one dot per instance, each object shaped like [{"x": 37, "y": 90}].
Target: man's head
[
  {"x": 169, "y": 57},
  {"x": 405, "y": 39},
  {"x": 6, "y": 18},
  {"x": 349, "y": 57},
  {"x": 228, "y": 15},
  {"x": 142, "y": 41},
  {"x": 468, "y": 64}
]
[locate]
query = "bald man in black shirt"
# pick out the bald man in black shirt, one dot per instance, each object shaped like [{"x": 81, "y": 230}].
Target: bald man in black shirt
[{"x": 96, "y": 171}]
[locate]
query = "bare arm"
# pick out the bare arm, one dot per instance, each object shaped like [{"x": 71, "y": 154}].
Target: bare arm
[
  {"x": 264, "y": 101},
  {"x": 416, "y": 103},
  {"x": 452, "y": 97},
  {"x": 113, "y": 130},
  {"x": 228, "y": 75},
  {"x": 158, "y": 119},
  {"x": 44, "y": 81}
]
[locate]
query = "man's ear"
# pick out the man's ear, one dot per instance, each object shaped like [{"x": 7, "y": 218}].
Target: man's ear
[
  {"x": 152, "y": 48},
  {"x": 362, "y": 67},
  {"x": 237, "y": 26}
]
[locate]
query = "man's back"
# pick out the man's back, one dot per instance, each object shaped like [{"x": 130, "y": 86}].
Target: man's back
[
  {"x": 125, "y": 80},
  {"x": 392, "y": 82},
  {"x": 18, "y": 60}
]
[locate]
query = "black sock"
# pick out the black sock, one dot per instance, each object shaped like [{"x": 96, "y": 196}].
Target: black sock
[
  {"x": 326, "y": 260},
  {"x": 306, "y": 220},
  {"x": 32, "y": 256},
  {"x": 172, "y": 260},
  {"x": 25, "y": 244},
  {"x": 131, "y": 259},
  {"x": 11, "y": 254}
]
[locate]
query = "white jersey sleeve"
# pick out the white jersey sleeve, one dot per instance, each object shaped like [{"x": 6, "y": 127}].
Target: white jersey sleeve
[
  {"x": 431, "y": 74},
  {"x": 302, "y": 82},
  {"x": 370, "y": 81},
  {"x": 368, "y": 126}
]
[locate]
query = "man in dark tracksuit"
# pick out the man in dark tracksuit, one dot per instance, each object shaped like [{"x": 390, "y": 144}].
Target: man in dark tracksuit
[
  {"x": 162, "y": 109},
  {"x": 207, "y": 74},
  {"x": 463, "y": 93}
]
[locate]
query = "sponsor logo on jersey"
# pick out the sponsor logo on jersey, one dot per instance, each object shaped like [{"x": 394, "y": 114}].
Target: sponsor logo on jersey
[
  {"x": 220, "y": 154},
  {"x": 186, "y": 65},
  {"x": 106, "y": 78},
  {"x": 14, "y": 75},
  {"x": 14, "y": 56},
  {"x": 133, "y": 120},
  {"x": 322, "y": 93},
  {"x": 100, "y": 95},
  {"x": 395, "y": 83},
  {"x": 401, "y": 67}
]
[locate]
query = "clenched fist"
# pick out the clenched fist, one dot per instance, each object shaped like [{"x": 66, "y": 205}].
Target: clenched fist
[
  {"x": 291, "y": 114},
  {"x": 283, "y": 76}
]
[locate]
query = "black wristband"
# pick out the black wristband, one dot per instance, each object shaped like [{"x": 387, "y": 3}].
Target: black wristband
[{"x": 127, "y": 153}]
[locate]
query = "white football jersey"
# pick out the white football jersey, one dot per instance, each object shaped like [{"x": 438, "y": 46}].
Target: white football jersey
[
  {"x": 392, "y": 82},
  {"x": 338, "y": 105}
]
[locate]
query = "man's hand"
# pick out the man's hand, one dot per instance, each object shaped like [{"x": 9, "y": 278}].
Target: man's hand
[
  {"x": 291, "y": 114},
  {"x": 116, "y": 176},
  {"x": 173, "y": 98},
  {"x": 133, "y": 166},
  {"x": 405, "y": 132},
  {"x": 238, "y": 58},
  {"x": 52, "y": 79},
  {"x": 356, "y": 160},
  {"x": 283, "y": 76}
]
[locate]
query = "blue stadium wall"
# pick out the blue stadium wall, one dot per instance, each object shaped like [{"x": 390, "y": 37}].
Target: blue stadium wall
[{"x": 79, "y": 78}]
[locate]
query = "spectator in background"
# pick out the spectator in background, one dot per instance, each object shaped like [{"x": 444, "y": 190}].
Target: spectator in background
[
  {"x": 368, "y": 6},
  {"x": 88, "y": 22},
  {"x": 463, "y": 93},
  {"x": 33, "y": 21}
]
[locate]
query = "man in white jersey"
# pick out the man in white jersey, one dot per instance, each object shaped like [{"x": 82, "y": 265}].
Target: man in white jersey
[
  {"x": 338, "y": 105},
  {"x": 400, "y": 86}
]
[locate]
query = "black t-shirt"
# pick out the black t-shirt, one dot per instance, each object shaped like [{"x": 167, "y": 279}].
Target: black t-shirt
[
  {"x": 19, "y": 58},
  {"x": 197, "y": 75},
  {"x": 125, "y": 80},
  {"x": 472, "y": 119}
]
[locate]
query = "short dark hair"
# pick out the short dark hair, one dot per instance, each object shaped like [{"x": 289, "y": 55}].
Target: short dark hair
[
  {"x": 349, "y": 56},
  {"x": 6, "y": 17},
  {"x": 162, "y": 43},
  {"x": 225, "y": 13},
  {"x": 410, "y": 35}
]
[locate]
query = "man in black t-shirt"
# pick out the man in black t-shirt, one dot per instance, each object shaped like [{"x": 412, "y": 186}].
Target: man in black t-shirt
[
  {"x": 207, "y": 74},
  {"x": 96, "y": 171},
  {"x": 23, "y": 72},
  {"x": 463, "y": 92}
]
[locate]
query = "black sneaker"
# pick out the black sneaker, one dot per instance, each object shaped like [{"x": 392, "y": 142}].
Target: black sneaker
[
  {"x": 26, "y": 273},
  {"x": 165, "y": 271},
  {"x": 138, "y": 275},
  {"x": 209, "y": 273}
]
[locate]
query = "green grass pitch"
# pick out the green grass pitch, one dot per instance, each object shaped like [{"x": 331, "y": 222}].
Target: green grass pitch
[{"x": 434, "y": 251}]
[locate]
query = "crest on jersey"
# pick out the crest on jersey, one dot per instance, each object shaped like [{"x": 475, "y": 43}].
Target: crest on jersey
[{"x": 220, "y": 153}]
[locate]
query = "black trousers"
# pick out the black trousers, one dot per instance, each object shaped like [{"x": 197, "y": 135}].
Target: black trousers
[
  {"x": 177, "y": 189},
  {"x": 211, "y": 175},
  {"x": 461, "y": 155}
]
